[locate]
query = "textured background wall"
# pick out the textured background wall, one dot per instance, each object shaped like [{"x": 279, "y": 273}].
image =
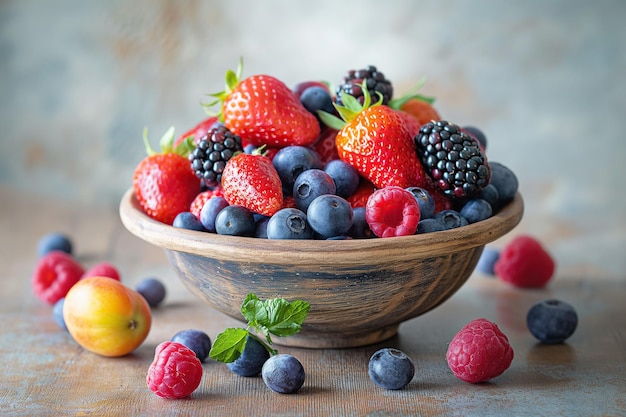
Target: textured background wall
[{"x": 544, "y": 79}]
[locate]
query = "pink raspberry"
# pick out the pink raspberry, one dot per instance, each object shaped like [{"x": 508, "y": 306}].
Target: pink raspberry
[
  {"x": 392, "y": 211},
  {"x": 55, "y": 273},
  {"x": 175, "y": 372},
  {"x": 203, "y": 197},
  {"x": 479, "y": 352},
  {"x": 103, "y": 269},
  {"x": 524, "y": 263}
]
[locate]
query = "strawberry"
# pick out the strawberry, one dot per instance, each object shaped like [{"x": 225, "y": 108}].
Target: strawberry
[
  {"x": 421, "y": 109},
  {"x": 362, "y": 194},
  {"x": 325, "y": 145},
  {"x": 197, "y": 132},
  {"x": 411, "y": 122},
  {"x": 250, "y": 180},
  {"x": 376, "y": 142},
  {"x": 262, "y": 110},
  {"x": 164, "y": 183}
]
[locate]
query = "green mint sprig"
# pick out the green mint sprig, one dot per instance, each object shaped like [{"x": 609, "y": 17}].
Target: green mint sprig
[{"x": 274, "y": 316}]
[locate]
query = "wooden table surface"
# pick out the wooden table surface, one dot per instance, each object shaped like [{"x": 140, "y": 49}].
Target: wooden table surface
[{"x": 43, "y": 372}]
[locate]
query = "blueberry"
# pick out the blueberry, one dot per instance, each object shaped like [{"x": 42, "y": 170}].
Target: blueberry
[
  {"x": 196, "y": 340},
  {"x": 289, "y": 223},
  {"x": 360, "y": 228},
  {"x": 390, "y": 368},
  {"x": 210, "y": 210},
  {"x": 188, "y": 220},
  {"x": 283, "y": 373},
  {"x": 57, "y": 313},
  {"x": 429, "y": 226},
  {"x": 487, "y": 260},
  {"x": 342, "y": 237},
  {"x": 330, "y": 215},
  {"x": 491, "y": 195},
  {"x": 52, "y": 242},
  {"x": 552, "y": 321},
  {"x": 251, "y": 360},
  {"x": 475, "y": 210},
  {"x": 317, "y": 98},
  {"x": 152, "y": 290},
  {"x": 425, "y": 201},
  {"x": 451, "y": 219},
  {"x": 235, "y": 220},
  {"x": 477, "y": 134},
  {"x": 292, "y": 161},
  {"x": 345, "y": 176},
  {"x": 504, "y": 180},
  {"x": 260, "y": 227},
  {"x": 311, "y": 184}
]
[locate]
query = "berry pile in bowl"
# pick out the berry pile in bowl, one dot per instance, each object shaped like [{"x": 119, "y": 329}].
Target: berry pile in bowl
[{"x": 372, "y": 209}]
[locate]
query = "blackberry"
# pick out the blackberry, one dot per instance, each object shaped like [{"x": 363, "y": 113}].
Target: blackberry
[
  {"x": 212, "y": 152},
  {"x": 453, "y": 159},
  {"x": 375, "y": 81}
]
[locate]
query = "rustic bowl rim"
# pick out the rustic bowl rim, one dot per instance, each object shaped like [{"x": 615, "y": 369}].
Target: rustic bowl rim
[{"x": 214, "y": 245}]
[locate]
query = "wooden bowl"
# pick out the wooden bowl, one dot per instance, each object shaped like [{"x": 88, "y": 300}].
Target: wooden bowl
[{"x": 359, "y": 290}]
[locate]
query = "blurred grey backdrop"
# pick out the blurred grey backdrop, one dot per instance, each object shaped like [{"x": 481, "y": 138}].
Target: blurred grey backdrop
[{"x": 544, "y": 80}]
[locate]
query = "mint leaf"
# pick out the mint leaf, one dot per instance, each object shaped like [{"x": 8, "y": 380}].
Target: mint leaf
[
  {"x": 253, "y": 310},
  {"x": 229, "y": 345},
  {"x": 285, "y": 318}
]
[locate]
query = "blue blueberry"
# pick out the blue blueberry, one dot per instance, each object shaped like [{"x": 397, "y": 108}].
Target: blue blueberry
[
  {"x": 235, "y": 220},
  {"x": 311, "y": 184},
  {"x": 425, "y": 201},
  {"x": 52, "y": 242},
  {"x": 196, "y": 340},
  {"x": 260, "y": 227},
  {"x": 330, "y": 215},
  {"x": 487, "y": 260},
  {"x": 210, "y": 210},
  {"x": 390, "y": 368},
  {"x": 317, "y": 98},
  {"x": 504, "y": 180},
  {"x": 477, "y": 134},
  {"x": 283, "y": 373},
  {"x": 345, "y": 176},
  {"x": 552, "y": 321},
  {"x": 491, "y": 195},
  {"x": 360, "y": 228},
  {"x": 475, "y": 210},
  {"x": 291, "y": 161},
  {"x": 429, "y": 226},
  {"x": 451, "y": 219},
  {"x": 289, "y": 223},
  {"x": 342, "y": 237},
  {"x": 57, "y": 313},
  {"x": 188, "y": 220},
  {"x": 152, "y": 290},
  {"x": 251, "y": 361}
]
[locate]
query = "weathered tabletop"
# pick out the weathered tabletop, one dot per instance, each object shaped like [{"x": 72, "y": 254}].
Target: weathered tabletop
[{"x": 43, "y": 372}]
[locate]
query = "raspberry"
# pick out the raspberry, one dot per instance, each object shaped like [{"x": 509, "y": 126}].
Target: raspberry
[
  {"x": 203, "y": 197},
  {"x": 55, "y": 273},
  {"x": 524, "y": 263},
  {"x": 392, "y": 211},
  {"x": 175, "y": 372},
  {"x": 479, "y": 352},
  {"x": 103, "y": 269}
]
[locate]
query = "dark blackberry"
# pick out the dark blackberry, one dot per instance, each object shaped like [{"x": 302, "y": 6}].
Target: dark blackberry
[
  {"x": 375, "y": 81},
  {"x": 453, "y": 159},
  {"x": 212, "y": 152}
]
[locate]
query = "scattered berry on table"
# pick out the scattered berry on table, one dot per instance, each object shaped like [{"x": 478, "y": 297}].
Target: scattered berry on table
[
  {"x": 360, "y": 228},
  {"x": 57, "y": 313},
  {"x": 453, "y": 159},
  {"x": 55, "y": 273},
  {"x": 477, "y": 134},
  {"x": 196, "y": 340},
  {"x": 291, "y": 161},
  {"x": 330, "y": 215},
  {"x": 451, "y": 219},
  {"x": 209, "y": 212},
  {"x": 188, "y": 220},
  {"x": 487, "y": 261},
  {"x": 504, "y": 180},
  {"x": 235, "y": 220},
  {"x": 289, "y": 223},
  {"x": 202, "y": 198},
  {"x": 212, "y": 152},
  {"x": 283, "y": 373},
  {"x": 251, "y": 360},
  {"x": 523, "y": 262},
  {"x": 391, "y": 368},
  {"x": 475, "y": 210},
  {"x": 345, "y": 177},
  {"x": 374, "y": 81},
  {"x": 311, "y": 184},
  {"x": 429, "y": 226},
  {"x": 152, "y": 290},
  {"x": 425, "y": 201},
  {"x": 102, "y": 269},
  {"x": 552, "y": 321},
  {"x": 175, "y": 373},
  {"x": 479, "y": 352},
  {"x": 392, "y": 211},
  {"x": 54, "y": 242}
]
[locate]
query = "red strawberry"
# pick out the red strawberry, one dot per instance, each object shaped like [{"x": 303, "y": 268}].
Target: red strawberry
[
  {"x": 250, "y": 180},
  {"x": 411, "y": 122},
  {"x": 421, "y": 109},
  {"x": 325, "y": 145},
  {"x": 164, "y": 183},
  {"x": 362, "y": 194},
  {"x": 196, "y": 132},
  {"x": 263, "y": 111}
]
